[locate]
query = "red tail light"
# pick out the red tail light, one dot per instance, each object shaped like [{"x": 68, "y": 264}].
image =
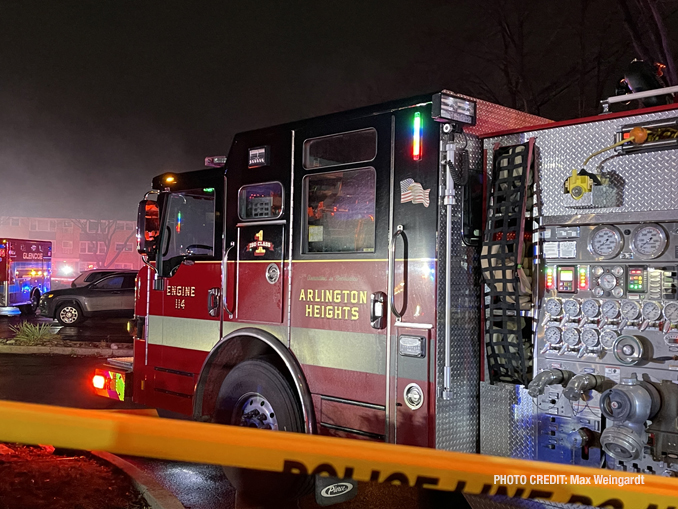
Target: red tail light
[{"x": 98, "y": 382}]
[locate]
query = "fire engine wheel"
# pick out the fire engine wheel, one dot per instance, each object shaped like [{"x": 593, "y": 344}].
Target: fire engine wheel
[
  {"x": 69, "y": 314},
  {"x": 255, "y": 394}
]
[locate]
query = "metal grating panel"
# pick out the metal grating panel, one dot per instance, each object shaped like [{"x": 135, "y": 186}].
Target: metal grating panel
[
  {"x": 507, "y": 423},
  {"x": 457, "y": 419},
  {"x": 562, "y": 149}
]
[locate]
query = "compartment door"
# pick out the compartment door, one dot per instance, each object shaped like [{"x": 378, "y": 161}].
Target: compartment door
[{"x": 260, "y": 278}]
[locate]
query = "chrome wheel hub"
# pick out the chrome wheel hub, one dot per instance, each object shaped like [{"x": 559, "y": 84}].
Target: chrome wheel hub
[
  {"x": 254, "y": 411},
  {"x": 68, "y": 314}
]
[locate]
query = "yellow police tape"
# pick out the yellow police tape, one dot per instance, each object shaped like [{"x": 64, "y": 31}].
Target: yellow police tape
[{"x": 360, "y": 460}]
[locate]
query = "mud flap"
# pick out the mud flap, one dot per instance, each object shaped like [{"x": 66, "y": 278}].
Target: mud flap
[{"x": 332, "y": 490}]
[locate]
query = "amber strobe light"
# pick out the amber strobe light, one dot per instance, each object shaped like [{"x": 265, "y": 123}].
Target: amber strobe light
[{"x": 416, "y": 137}]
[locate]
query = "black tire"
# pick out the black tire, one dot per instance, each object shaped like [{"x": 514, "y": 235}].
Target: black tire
[
  {"x": 30, "y": 309},
  {"x": 248, "y": 386},
  {"x": 69, "y": 314}
]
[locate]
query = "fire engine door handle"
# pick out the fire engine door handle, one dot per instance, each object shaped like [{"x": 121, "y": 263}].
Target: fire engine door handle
[
  {"x": 391, "y": 270},
  {"x": 377, "y": 310},
  {"x": 213, "y": 302},
  {"x": 224, "y": 290}
]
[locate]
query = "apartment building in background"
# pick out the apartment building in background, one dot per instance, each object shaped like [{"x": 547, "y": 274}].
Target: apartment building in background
[{"x": 78, "y": 244}]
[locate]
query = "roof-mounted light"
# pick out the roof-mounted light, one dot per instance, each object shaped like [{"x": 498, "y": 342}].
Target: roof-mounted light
[
  {"x": 215, "y": 161},
  {"x": 448, "y": 108},
  {"x": 169, "y": 179}
]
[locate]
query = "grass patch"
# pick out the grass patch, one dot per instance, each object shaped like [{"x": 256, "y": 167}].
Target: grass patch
[{"x": 29, "y": 334}]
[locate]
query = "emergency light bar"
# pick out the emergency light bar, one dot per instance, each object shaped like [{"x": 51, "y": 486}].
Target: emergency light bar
[
  {"x": 448, "y": 108},
  {"x": 215, "y": 161}
]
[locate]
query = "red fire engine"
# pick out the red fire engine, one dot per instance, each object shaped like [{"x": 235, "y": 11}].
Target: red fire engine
[
  {"x": 25, "y": 270},
  {"x": 325, "y": 280}
]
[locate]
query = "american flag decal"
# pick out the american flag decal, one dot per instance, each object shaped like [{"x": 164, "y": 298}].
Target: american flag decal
[{"x": 412, "y": 191}]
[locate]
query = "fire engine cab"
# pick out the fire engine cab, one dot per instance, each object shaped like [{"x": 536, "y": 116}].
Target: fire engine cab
[
  {"x": 324, "y": 280},
  {"x": 25, "y": 274}
]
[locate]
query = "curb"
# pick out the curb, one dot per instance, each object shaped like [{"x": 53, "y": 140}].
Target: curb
[
  {"x": 67, "y": 350},
  {"x": 154, "y": 493}
]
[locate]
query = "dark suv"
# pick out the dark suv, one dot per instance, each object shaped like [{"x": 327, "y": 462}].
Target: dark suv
[{"x": 110, "y": 296}]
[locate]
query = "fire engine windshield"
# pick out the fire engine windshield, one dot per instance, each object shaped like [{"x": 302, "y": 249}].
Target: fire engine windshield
[
  {"x": 340, "y": 211},
  {"x": 189, "y": 227}
]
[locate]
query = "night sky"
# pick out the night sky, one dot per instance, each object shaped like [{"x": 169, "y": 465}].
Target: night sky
[{"x": 97, "y": 97}]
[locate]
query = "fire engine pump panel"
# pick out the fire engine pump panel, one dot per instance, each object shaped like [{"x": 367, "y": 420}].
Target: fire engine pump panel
[{"x": 602, "y": 316}]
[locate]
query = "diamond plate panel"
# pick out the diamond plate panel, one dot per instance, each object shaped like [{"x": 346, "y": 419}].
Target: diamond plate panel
[
  {"x": 500, "y": 502},
  {"x": 507, "y": 422},
  {"x": 562, "y": 149},
  {"x": 457, "y": 418},
  {"x": 493, "y": 118}
]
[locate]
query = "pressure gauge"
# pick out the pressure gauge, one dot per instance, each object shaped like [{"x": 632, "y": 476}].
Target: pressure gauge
[
  {"x": 651, "y": 311},
  {"x": 630, "y": 310},
  {"x": 610, "y": 309},
  {"x": 671, "y": 312},
  {"x": 607, "y": 282},
  {"x": 606, "y": 242},
  {"x": 618, "y": 292},
  {"x": 598, "y": 291},
  {"x": 571, "y": 337},
  {"x": 552, "y": 335},
  {"x": 648, "y": 241},
  {"x": 553, "y": 307},
  {"x": 617, "y": 271},
  {"x": 607, "y": 338},
  {"x": 589, "y": 337},
  {"x": 571, "y": 308},
  {"x": 590, "y": 308},
  {"x": 597, "y": 270}
]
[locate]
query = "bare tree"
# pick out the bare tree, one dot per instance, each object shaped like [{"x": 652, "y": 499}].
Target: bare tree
[
  {"x": 528, "y": 60},
  {"x": 645, "y": 21}
]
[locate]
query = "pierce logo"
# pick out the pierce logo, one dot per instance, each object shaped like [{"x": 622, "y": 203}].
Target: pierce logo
[{"x": 334, "y": 490}]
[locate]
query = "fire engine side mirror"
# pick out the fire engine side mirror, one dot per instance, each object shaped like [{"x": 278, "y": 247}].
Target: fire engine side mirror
[
  {"x": 148, "y": 227},
  {"x": 378, "y": 310}
]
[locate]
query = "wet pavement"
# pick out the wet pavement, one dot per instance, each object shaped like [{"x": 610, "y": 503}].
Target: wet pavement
[
  {"x": 95, "y": 330},
  {"x": 53, "y": 380},
  {"x": 196, "y": 486}
]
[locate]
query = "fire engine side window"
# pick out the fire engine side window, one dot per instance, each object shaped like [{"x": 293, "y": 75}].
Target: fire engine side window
[
  {"x": 352, "y": 147},
  {"x": 340, "y": 211},
  {"x": 190, "y": 224},
  {"x": 260, "y": 201}
]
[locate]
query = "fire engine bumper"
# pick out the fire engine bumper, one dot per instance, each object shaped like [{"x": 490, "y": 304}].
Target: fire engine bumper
[
  {"x": 113, "y": 382},
  {"x": 9, "y": 311}
]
